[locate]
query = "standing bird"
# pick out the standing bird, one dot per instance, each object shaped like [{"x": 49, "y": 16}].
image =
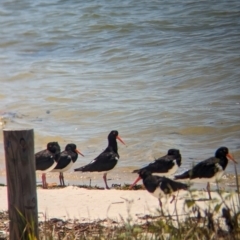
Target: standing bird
[
  {"x": 67, "y": 158},
  {"x": 46, "y": 160},
  {"x": 163, "y": 166},
  {"x": 209, "y": 170},
  {"x": 160, "y": 186},
  {"x": 107, "y": 160}
]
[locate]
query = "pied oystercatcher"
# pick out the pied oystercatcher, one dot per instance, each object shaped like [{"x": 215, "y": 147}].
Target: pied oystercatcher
[
  {"x": 67, "y": 158},
  {"x": 163, "y": 166},
  {"x": 209, "y": 170},
  {"x": 107, "y": 160},
  {"x": 46, "y": 160},
  {"x": 160, "y": 186}
]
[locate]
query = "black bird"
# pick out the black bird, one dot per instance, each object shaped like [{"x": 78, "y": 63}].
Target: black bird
[
  {"x": 163, "y": 166},
  {"x": 67, "y": 158},
  {"x": 47, "y": 159},
  {"x": 209, "y": 170},
  {"x": 160, "y": 186},
  {"x": 107, "y": 160}
]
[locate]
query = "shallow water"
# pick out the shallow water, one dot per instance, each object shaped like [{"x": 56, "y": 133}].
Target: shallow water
[{"x": 164, "y": 75}]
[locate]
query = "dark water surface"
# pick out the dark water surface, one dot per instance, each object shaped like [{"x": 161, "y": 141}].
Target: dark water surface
[{"x": 163, "y": 73}]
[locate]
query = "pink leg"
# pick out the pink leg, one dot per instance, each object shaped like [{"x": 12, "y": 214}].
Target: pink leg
[
  {"x": 44, "y": 181},
  {"x": 105, "y": 180},
  {"x": 160, "y": 204},
  {"x": 208, "y": 190},
  {"x": 173, "y": 198},
  {"x": 62, "y": 179}
]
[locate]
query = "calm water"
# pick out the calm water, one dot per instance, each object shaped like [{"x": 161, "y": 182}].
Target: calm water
[{"x": 163, "y": 73}]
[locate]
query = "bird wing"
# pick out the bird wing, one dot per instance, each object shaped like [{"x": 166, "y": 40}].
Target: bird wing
[
  {"x": 204, "y": 169},
  {"x": 160, "y": 165},
  {"x": 64, "y": 160},
  {"x": 168, "y": 185},
  {"x": 104, "y": 162},
  {"x": 43, "y": 160},
  {"x": 151, "y": 183}
]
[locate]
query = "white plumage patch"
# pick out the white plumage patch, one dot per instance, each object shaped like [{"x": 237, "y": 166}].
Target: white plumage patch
[
  {"x": 174, "y": 168},
  {"x": 170, "y": 171},
  {"x": 158, "y": 193},
  {"x": 94, "y": 160},
  {"x": 218, "y": 175},
  {"x": 49, "y": 169},
  {"x": 219, "y": 167}
]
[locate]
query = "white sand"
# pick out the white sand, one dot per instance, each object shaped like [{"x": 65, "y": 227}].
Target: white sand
[{"x": 88, "y": 205}]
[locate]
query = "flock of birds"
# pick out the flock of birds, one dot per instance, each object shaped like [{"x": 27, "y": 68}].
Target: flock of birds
[{"x": 209, "y": 170}]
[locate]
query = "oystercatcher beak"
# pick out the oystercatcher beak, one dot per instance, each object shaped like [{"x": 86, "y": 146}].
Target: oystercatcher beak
[
  {"x": 135, "y": 182},
  {"x": 231, "y": 157},
  {"x": 121, "y": 140},
  {"x": 77, "y": 151}
]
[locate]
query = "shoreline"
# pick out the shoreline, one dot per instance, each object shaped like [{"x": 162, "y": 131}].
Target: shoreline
[{"x": 115, "y": 178}]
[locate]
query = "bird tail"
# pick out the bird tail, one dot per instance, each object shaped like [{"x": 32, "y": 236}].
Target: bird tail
[
  {"x": 82, "y": 169},
  {"x": 135, "y": 171},
  {"x": 183, "y": 186},
  {"x": 184, "y": 175}
]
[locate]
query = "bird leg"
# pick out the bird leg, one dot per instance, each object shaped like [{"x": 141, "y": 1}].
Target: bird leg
[
  {"x": 105, "y": 180},
  {"x": 173, "y": 198},
  {"x": 61, "y": 179},
  {"x": 44, "y": 181},
  {"x": 160, "y": 204},
  {"x": 208, "y": 190}
]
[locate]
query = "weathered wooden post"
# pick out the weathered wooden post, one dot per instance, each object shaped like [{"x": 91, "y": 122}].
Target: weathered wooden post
[{"x": 21, "y": 184}]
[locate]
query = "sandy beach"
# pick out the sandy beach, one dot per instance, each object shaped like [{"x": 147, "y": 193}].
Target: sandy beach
[{"x": 87, "y": 205}]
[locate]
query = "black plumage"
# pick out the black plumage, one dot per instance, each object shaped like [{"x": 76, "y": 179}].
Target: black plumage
[
  {"x": 47, "y": 159},
  {"x": 210, "y": 169},
  {"x": 160, "y": 186},
  {"x": 163, "y": 166},
  {"x": 67, "y": 158},
  {"x": 107, "y": 160}
]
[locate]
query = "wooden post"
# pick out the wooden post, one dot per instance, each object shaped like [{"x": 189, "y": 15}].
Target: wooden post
[{"x": 21, "y": 184}]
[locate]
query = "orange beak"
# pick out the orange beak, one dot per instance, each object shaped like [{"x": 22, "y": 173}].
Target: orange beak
[
  {"x": 77, "y": 151},
  {"x": 121, "y": 140},
  {"x": 231, "y": 157},
  {"x": 135, "y": 182}
]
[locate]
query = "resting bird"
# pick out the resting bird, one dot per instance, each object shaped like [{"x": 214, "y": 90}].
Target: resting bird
[
  {"x": 163, "y": 166},
  {"x": 160, "y": 186},
  {"x": 46, "y": 160},
  {"x": 107, "y": 160},
  {"x": 209, "y": 170},
  {"x": 67, "y": 158}
]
